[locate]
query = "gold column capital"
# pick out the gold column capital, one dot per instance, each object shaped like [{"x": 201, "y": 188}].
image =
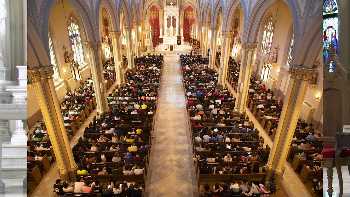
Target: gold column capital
[
  {"x": 35, "y": 74},
  {"x": 303, "y": 73},
  {"x": 227, "y": 34},
  {"x": 128, "y": 28},
  {"x": 249, "y": 45},
  {"x": 117, "y": 33}
]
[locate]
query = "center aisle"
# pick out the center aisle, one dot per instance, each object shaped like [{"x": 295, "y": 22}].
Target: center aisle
[{"x": 171, "y": 165}]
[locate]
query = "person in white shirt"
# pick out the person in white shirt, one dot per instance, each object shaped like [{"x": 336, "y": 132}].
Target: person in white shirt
[
  {"x": 198, "y": 139},
  {"x": 78, "y": 186},
  {"x": 228, "y": 158},
  {"x": 93, "y": 148},
  {"x": 138, "y": 171},
  {"x": 206, "y": 138},
  {"x": 199, "y": 107},
  {"x": 103, "y": 158},
  {"x": 235, "y": 187}
]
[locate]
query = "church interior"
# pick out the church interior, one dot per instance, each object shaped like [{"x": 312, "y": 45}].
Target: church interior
[{"x": 187, "y": 98}]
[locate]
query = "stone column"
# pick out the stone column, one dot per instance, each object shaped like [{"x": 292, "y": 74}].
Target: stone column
[
  {"x": 212, "y": 57},
  {"x": 344, "y": 31},
  {"x": 97, "y": 76},
  {"x": 5, "y": 98},
  {"x": 206, "y": 42},
  {"x": 300, "y": 77},
  {"x": 129, "y": 43},
  {"x": 199, "y": 36},
  {"x": 225, "y": 54},
  {"x": 248, "y": 52},
  {"x": 19, "y": 93},
  {"x": 136, "y": 44},
  {"x": 44, "y": 88},
  {"x": 117, "y": 56},
  {"x": 16, "y": 36}
]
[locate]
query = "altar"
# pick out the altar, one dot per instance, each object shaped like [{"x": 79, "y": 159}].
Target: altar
[{"x": 171, "y": 23}]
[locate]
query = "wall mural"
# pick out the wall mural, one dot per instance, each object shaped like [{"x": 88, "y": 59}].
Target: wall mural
[
  {"x": 188, "y": 22},
  {"x": 154, "y": 22}
]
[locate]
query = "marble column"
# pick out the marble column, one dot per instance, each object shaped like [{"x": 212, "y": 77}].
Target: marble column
[
  {"x": 129, "y": 44},
  {"x": 5, "y": 98},
  {"x": 97, "y": 77},
  {"x": 41, "y": 78},
  {"x": 212, "y": 57},
  {"x": 19, "y": 94},
  {"x": 117, "y": 56},
  {"x": 300, "y": 77},
  {"x": 247, "y": 61},
  {"x": 225, "y": 54},
  {"x": 15, "y": 36}
]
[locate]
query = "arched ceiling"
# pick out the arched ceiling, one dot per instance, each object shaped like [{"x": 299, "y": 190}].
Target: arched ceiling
[{"x": 305, "y": 15}]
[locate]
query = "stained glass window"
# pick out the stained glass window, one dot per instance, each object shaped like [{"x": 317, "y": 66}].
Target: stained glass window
[
  {"x": 290, "y": 51},
  {"x": 330, "y": 7},
  {"x": 266, "y": 43},
  {"x": 266, "y": 72},
  {"x": 77, "y": 46},
  {"x": 53, "y": 61},
  {"x": 106, "y": 48},
  {"x": 330, "y": 33}
]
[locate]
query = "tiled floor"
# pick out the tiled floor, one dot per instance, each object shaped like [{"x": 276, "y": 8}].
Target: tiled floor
[{"x": 171, "y": 165}]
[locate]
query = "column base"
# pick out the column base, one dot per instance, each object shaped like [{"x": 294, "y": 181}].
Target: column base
[
  {"x": 69, "y": 176},
  {"x": 273, "y": 179},
  {"x": 13, "y": 182},
  {"x": 5, "y": 96},
  {"x": 19, "y": 139}
]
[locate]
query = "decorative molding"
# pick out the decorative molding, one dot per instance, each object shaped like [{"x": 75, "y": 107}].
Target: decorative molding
[
  {"x": 249, "y": 45},
  {"x": 304, "y": 73},
  {"x": 35, "y": 74},
  {"x": 227, "y": 34}
]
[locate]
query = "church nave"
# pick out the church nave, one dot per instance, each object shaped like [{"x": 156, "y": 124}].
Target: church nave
[
  {"x": 203, "y": 98},
  {"x": 171, "y": 165}
]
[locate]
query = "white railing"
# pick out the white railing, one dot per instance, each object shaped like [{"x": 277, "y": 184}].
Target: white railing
[{"x": 13, "y": 109}]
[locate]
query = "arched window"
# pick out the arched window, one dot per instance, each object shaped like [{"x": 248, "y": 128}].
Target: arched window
[
  {"x": 266, "y": 72},
  {"x": 290, "y": 51},
  {"x": 266, "y": 42},
  {"x": 330, "y": 33},
  {"x": 76, "y": 43},
  {"x": 53, "y": 61}
]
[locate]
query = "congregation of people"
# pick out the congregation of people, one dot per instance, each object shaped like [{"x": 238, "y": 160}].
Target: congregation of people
[
  {"x": 109, "y": 74},
  {"x": 227, "y": 147},
  {"x": 112, "y": 155},
  {"x": 76, "y": 107},
  {"x": 305, "y": 153}
]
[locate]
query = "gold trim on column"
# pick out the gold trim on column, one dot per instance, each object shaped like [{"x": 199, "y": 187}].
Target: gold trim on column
[
  {"x": 303, "y": 73},
  {"x": 35, "y": 74},
  {"x": 249, "y": 46},
  {"x": 227, "y": 34}
]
